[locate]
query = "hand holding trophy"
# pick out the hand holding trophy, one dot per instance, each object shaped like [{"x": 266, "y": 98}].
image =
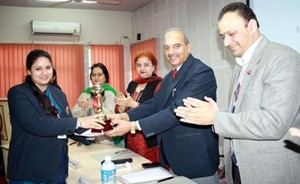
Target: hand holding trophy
[{"x": 97, "y": 93}]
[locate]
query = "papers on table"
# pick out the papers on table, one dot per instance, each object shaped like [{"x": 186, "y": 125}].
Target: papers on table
[
  {"x": 146, "y": 176},
  {"x": 120, "y": 153}
]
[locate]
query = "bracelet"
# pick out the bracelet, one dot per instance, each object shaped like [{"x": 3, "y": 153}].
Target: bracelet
[{"x": 132, "y": 127}]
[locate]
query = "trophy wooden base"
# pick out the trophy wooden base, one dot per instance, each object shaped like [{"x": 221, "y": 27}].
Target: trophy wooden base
[{"x": 107, "y": 127}]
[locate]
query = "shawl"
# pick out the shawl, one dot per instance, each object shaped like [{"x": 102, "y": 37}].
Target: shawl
[{"x": 106, "y": 87}]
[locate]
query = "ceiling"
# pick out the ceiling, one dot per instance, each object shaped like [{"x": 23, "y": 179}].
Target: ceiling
[{"x": 124, "y": 5}]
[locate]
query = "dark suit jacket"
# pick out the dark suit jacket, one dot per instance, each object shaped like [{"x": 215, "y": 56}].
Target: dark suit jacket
[
  {"x": 190, "y": 150},
  {"x": 35, "y": 152}
]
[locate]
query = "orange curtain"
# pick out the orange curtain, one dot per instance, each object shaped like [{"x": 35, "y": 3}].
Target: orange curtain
[
  {"x": 68, "y": 60},
  {"x": 149, "y": 45},
  {"x": 112, "y": 56}
]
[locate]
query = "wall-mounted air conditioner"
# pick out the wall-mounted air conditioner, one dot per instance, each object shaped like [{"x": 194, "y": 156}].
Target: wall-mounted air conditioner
[{"x": 45, "y": 27}]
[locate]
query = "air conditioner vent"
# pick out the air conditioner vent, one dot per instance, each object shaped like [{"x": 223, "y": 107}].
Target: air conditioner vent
[{"x": 44, "y": 27}]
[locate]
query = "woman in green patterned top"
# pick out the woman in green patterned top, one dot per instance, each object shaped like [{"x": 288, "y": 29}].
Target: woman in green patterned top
[{"x": 99, "y": 75}]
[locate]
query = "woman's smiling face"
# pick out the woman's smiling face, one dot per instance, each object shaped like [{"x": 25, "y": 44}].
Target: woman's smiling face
[{"x": 41, "y": 72}]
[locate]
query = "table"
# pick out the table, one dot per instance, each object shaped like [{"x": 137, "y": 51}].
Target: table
[
  {"x": 84, "y": 165},
  {"x": 85, "y": 161}
]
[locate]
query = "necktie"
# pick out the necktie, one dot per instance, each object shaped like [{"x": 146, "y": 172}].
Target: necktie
[
  {"x": 237, "y": 91},
  {"x": 235, "y": 96},
  {"x": 174, "y": 74}
]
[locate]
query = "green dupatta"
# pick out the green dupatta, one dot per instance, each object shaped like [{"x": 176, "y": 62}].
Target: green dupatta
[{"x": 106, "y": 87}]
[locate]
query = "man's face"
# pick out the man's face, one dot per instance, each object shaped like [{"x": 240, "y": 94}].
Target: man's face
[
  {"x": 235, "y": 32},
  {"x": 176, "y": 51}
]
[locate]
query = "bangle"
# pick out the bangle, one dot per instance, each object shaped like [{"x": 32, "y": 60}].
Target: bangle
[{"x": 132, "y": 127}]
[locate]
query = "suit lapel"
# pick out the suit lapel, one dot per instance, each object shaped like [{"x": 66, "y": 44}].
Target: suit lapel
[
  {"x": 33, "y": 98},
  {"x": 58, "y": 100},
  {"x": 252, "y": 68},
  {"x": 168, "y": 85},
  {"x": 172, "y": 86}
]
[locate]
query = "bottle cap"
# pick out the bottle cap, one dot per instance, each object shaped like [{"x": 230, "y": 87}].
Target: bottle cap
[{"x": 107, "y": 158}]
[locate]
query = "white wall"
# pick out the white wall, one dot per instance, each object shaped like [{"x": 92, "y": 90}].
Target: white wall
[
  {"x": 280, "y": 21},
  {"x": 198, "y": 18},
  {"x": 103, "y": 27},
  {"x": 97, "y": 27}
]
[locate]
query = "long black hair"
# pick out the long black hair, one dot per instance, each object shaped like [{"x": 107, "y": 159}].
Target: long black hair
[{"x": 42, "y": 98}]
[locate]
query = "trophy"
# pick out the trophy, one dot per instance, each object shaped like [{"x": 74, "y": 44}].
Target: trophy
[{"x": 97, "y": 94}]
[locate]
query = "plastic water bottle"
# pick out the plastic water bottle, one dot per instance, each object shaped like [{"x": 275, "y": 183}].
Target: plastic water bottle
[{"x": 108, "y": 171}]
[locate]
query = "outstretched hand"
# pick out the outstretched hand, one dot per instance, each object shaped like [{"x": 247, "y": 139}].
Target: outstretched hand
[
  {"x": 197, "y": 111},
  {"x": 93, "y": 122},
  {"x": 122, "y": 128},
  {"x": 85, "y": 104},
  {"x": 125, "y": 100},
  {"x": 121, "y": 116}
]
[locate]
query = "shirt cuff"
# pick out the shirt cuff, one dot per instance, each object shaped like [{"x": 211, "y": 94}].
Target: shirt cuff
[
  {"x": 138, "y": 126},
  {"x": 78, "y": 124}
]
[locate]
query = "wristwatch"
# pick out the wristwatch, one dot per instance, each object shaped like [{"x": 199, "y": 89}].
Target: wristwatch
[{"x": 132, "y": 127}]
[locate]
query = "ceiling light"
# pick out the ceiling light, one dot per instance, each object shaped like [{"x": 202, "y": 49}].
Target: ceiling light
[
  {"x": 53, "y": 0},
  {"x": 84, "y": 1}
]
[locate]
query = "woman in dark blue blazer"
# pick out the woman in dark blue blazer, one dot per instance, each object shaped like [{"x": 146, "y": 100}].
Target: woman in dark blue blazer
[{"x": 41, "y": 121}]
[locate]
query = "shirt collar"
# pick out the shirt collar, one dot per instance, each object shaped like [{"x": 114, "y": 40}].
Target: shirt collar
[
  {"x": 177, "y": 68},
  {"x": 244, "y": 60}
]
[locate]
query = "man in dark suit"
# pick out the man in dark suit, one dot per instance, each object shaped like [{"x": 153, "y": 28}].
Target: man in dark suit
[{"x": 189, "y": 150}]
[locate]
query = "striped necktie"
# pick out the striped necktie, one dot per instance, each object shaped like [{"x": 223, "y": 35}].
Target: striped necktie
[{"x": 236, "y": 95}]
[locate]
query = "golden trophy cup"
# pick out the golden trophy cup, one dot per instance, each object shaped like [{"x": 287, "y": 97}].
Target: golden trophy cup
[{"x": 97, "y": 94}]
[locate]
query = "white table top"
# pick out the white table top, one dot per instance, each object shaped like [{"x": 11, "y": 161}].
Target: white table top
[
  {"x": 86, "y": 161},
  {"x": 84, "y": 165}
]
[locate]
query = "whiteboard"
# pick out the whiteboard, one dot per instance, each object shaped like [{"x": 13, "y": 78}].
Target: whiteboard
[{"x": 279, "y": 20}]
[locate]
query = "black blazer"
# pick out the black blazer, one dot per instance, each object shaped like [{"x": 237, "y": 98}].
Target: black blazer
[
  {"x": 35, "y": 152},
  {"x": 190, "y": 150}
]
